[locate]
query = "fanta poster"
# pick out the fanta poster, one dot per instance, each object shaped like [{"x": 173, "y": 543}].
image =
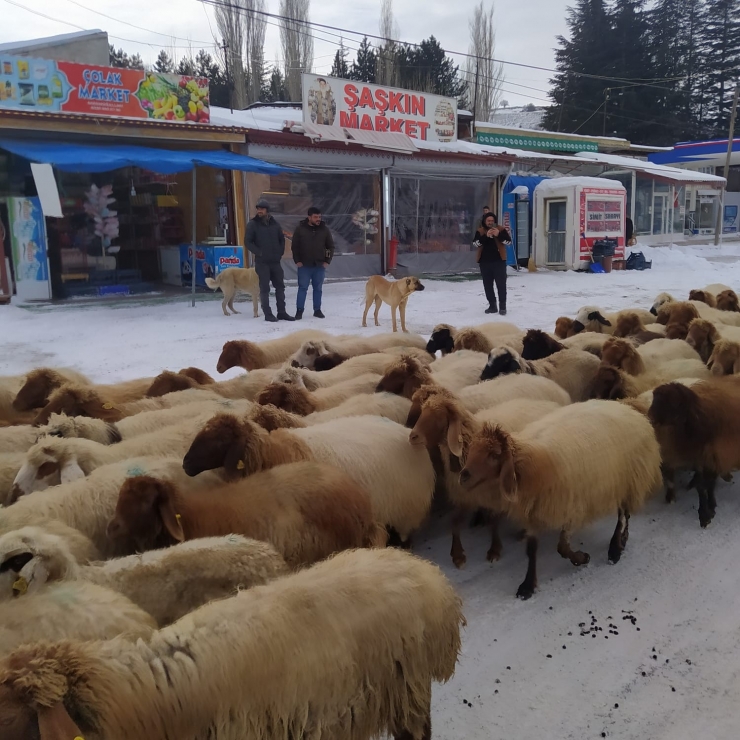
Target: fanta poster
[{"x": 65, "y": 87}]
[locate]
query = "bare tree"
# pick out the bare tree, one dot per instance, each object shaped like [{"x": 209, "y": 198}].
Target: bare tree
[
  {"x": 386, "y": 61},
  {"x": 255, "y": 26},
  {"x": 231, "y": 22},
  {"x": 485, "y": 76},
  {"x": 297, "y": 43}
]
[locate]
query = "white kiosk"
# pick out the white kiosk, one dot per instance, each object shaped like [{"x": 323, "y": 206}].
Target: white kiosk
[{"x": 570, "y": 214}]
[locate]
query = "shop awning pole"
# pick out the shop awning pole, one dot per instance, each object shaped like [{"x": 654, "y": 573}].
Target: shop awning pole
[{"x": 192, "y": 264}]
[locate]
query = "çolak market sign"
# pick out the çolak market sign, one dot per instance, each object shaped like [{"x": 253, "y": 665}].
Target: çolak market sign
[
  {"x": 330, "y": 101},
  {"x": 66, "y": 87}
]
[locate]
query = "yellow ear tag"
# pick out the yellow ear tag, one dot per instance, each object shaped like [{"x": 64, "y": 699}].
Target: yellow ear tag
[
  {"x": 240, "y": 465},
  {"x": 79, "y": 738},
  {"x": 178, "y": 517},
  {"x": 107, "y": 406},
  {"x": 20, "y": 586}
]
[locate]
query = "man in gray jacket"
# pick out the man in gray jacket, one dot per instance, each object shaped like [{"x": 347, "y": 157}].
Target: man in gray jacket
[{"x": 266, "y": 241}]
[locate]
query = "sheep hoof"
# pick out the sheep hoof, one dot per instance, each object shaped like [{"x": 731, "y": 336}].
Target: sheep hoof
[
  {"x": 525, "y": 591},
  {"x": 493, "y": 555},
  {"x": 521, "y": 535},
  {"x": 614, "y": 556},
  {"x": 459, "y": 561},
  {"x": 670, "y": 497},
  {"x": 580, "y": 558},
  {"x": 727, "y": 478}
]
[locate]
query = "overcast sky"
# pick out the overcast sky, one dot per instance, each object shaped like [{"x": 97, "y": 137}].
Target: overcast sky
[{"x": 526, "y": 29}]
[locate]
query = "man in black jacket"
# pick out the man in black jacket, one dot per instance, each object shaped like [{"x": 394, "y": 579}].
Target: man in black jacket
[
  {"x": 266, "y": 241},
  {"x": 313, "y": 248}
]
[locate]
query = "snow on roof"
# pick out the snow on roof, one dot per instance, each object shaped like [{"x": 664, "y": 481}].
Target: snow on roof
[
  {"x": 585, "y": 182},
  {"x": 263, "y": 118},
  {"x": 10, "y": 46},
  {"x": 657, "y": 170}
]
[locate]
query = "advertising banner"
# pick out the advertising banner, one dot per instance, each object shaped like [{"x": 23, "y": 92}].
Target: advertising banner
[
  {"x": 66, "y": 87},
  {"x": 209, "y": 262},
  {"x": 601, "y": 217},
  {"x": 28, "y": 245},
  {"x": 331, "y": 101}
]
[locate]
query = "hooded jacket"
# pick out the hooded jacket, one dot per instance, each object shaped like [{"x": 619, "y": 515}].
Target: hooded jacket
[
  {"x": 494, "y": 248},
  {"x": 265, "y": 239},
  {"x": 312, "y": 245}
]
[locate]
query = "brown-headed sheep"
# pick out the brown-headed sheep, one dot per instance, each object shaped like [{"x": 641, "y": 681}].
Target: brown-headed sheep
[
  {"x": 350, "y": 346},
  {"x": 703, "y": 335},
  {"x": 383, "y": 625},
  {"x": 704, "y": 296},
  {"x": 300, "y": 401},
  {"x": 245, "y": 386},
  {"x": 630, "y": 325},
  {"x": 564, "y": 327},
  {"x": 273, "y": 352},
  {"x": 443, "y": 336},
  {"x": 612, "y": 384},
  {"x": 572, "y": 369},
  {"x": 727, "y": 300},
  {"x": 307, "y": 511},
  {"x": 698, "y": 428},
  {"x": 405, "y": 376},
  {"x": 566, "y": 470},
  {"x": 676, "y": 317},
  {"x": 650, "y": 357},
  {"x": 476, "y": 341},
  {"x": 725, "y": 358},
  {"x": 372, "y": 450}
]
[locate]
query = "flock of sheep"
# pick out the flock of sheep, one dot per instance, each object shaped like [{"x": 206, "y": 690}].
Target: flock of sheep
[{"x": 191, "y": 559}]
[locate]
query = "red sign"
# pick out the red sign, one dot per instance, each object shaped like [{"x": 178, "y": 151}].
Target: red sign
[{"x": 601, "y": 217}]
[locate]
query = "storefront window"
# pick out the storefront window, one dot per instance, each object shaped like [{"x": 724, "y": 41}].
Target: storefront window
[{"x": 643, "y": 205}]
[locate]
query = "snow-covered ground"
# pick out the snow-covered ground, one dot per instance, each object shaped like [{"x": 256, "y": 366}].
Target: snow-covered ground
[{"x": 535, "y": 669}]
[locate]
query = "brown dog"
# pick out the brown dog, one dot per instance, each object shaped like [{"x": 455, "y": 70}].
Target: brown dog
[
  {"x": 395, "y": 294},
  {"x": 233, "y": 279}
]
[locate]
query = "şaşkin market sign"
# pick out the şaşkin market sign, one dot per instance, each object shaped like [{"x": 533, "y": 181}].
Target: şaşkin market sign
[{"x": 330, "y": 101}]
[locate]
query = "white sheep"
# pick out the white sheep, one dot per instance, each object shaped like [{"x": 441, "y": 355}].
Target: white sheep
[
  {"x": 10, "y": 465},
  {"x": 566, "y": 470},
  {"x": 345, "y": 347},
  {"x": 381, "y": 625},
  {"x": 374, "y": 451},
  {"x": 19, "y": 397},
  {"x": 572, "y": 369},
  {"x": 592, "y": 318},
  {"x": 18, "y": 438},
  {"x": 166, "y": 584},
  {"x": 443, "y": 336},
  {"x": 88, "y": 504},
  {"x": 271, "y": 353},
  {"x": 55, "y": 460},
  {"x": 648, "y": 357}
]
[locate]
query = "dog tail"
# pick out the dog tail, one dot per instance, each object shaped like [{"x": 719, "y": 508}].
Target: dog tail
[{"x": 213, "y": 284}]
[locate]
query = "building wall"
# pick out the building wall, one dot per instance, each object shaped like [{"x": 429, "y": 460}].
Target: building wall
[{"x": 92, "y": 49}]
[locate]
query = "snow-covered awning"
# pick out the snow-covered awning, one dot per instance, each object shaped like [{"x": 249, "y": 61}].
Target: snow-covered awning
[{"x": 386, "y": 141}]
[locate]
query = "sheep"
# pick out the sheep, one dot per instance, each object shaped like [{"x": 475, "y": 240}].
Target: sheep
[
  {"x": 10, "y": 465},
  {"x": 613, "y": 384},
  {"x": 299, "y": 400},
  {"x": 443, "y": 336},
  {"x": 698, "y": 427},
  {"x": 592, "y": 318},
  {"x": 245, "y": 386},
  {"x": 710, "y": 295},
  {"x": 727, "y": 300},
  {"x": 566, "y": 470},
  {"x": 407, "y": 375},
  {"x": 15, "y": 409},
  {"x": 564, "y": 327},
  {"x": 73, "y": 458},
  {"x": 630, "y": 325},
  {"x": 537, "y": 344},
  {"x": 79, "y": 401},
  {"x": 382, "y": 626},
  {"x": 18, "y": 438},
  {"x": 705, "y": 312},
  {"x": 572, "y": 369},
  {"x": 306, "y": 510},
  {"x": 373, "y": 451},
  {"x": 704, "y": 296},
  {"x": 69, "y": 610},
  {"x": 622, "y": 354},
  {"x": 676, "y": 317},
  {"x": 476, "y": 341},
  {"x": 703, "y": 335},
  {"x": 41, "y": 383},
  {"x": 88, "y": 504},
  {"x": 351, "y": 346},
  {"x": 9, "y": 387},
  {"x": 107, "y": 433},
  {"x": 166, "y": 584},
  {"x": 253, "y": 355},
  {"x": 725, "y": 358},
  {"x": 643, "y": 402}
]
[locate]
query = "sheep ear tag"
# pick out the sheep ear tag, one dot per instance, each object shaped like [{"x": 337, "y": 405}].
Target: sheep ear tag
[
  {"x": 108, "y": 406},
  {"x": 56, "y": 724},
  {"x": 20, "y": 586},
  {"x": 240, "y": 465}
]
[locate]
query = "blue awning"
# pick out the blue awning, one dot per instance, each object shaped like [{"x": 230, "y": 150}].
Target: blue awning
[{"x": 75, "y": 157}]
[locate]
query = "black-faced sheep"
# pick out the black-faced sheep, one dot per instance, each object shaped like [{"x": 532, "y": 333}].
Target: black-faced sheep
[
  {"x": 592, "y": 318},
  {"x": 374, "y": 451},
  {"x": 572, "y": 369},
  {"x": 271, "y": 353},
  {"x": 698, "y": 428},
  {"x": 538, "y": 344},
  {"x": 347, "y": 648},
  {"x": 443, "y": 336},
  {"x": 572, "y": 467}
]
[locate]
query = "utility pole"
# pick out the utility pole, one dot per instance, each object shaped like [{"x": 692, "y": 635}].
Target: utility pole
[
  {"x": 229, "y": 84},
  {"x": 721, "y": 211},
  {"x": 607, "y": 90},
  {"x": 475, "y": 92}
]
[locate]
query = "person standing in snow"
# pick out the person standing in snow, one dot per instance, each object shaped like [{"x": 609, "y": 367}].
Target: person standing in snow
[
  {"x": 313, "y": 249},
  {"x": 266, "y": 241},
  {"x": 490, "y": 241}
]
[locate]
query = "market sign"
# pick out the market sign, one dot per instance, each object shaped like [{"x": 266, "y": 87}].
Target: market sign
[
  {"x": 330, "y": 101},
  {"x": 532, "y": 141},
  {"x": 66, "y": 87}
]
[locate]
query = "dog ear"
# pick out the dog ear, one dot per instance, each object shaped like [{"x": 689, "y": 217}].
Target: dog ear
[{"x": 56, "y": 724}]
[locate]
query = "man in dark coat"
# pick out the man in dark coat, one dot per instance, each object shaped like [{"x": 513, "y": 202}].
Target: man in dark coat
[
  {"x": 266, "y": 241},
  {"x": 313, "y": 249},
  {"x": 490, "y": 240}
]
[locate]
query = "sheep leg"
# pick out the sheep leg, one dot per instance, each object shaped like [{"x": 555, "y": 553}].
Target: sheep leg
[
  {"x": 408, "y": 735},
  {"x": 457, "y": 552},
  {"x": 577, "y": 557},
  {"x": 710, "y": 481},
  {"x": 706, "y": 512},
  {"x": 726, "y": 477},
  {"x": 669, "y": 478},
  {"x": 619, "y": 539},
  {"x": 626, "y": 530},
  {"x": 494, "y": 551},
  {"x": 479, "y": 518},
  {"x": 529, "y": 584}
]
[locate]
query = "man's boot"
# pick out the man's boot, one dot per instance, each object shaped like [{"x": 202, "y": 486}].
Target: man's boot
[
  {"x": 269, "y": 315},
  {"x": 284, "y": 316},
  {"x": 299, "y": 314}
]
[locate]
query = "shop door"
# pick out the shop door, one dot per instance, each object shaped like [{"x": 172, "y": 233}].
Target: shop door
[
  {"x": 555, "y": 220},
  {"x": 660, "y": 214}
]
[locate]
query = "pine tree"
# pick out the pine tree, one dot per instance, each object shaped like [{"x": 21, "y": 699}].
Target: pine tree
[
  {"x": 164, "y": 63},
  {"x": 276, "y": 90},
  {"x": 119, "y": 58},
  {"x": 363, "y": 68},
  {"x": 427, "y": 68},
  {"x": 218, "y": 86},
  {"x": 186, "y": 67},
  {"x": 340, "y": 65}
]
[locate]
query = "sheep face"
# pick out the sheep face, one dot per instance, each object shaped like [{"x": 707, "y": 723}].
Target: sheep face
[
  {"x": 502, "y": 361},
  {"x": 47, "y": 464},
  {"x": 438, "y": 423},
  {"x": 289, "y": 375},
  {"x": 676, "y": 410},
  {"x": 727, "y": 300},
  {"x": 537, "y": 345},
  {"x": 608, "y": 384},
  {"x": 403, "y": 378},
  {"x": 35, "y": 392},
  {"x": 77, "y": 402},
  {"x": 677, "y": 313},
  {"x": 328, "y": 361},
  {"x": 564, "y": 327},
  {"x": 145, "y": 516},
  {"x": 240, "y": 354},
  {"x": 201, "y": 377},
  {"x": 627, "y": 324},
  {"x": 307, "y": 354},
  {"x": 225, "y": 442},
  {"x": 702, "y": 335},
  {"x": 621, "y": 354},
  {"x": 441, "y": 339},
  {"x": 592, "y": 316},
  {"x": 169, "y": 382},
  {"x": 725, "y": 358},
  {"x": 676, "y": 331},
  {"x": 703, "y": 297},
  {"x": 661, "y": 300},
  {"x": 290, "y": 398},
  {"x": 491, "y": 460}
]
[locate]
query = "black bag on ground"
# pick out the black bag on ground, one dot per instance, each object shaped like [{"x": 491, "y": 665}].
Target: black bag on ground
[
  {"x": 637, "y": 261},
  {"x": 604, "y": 248}
]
